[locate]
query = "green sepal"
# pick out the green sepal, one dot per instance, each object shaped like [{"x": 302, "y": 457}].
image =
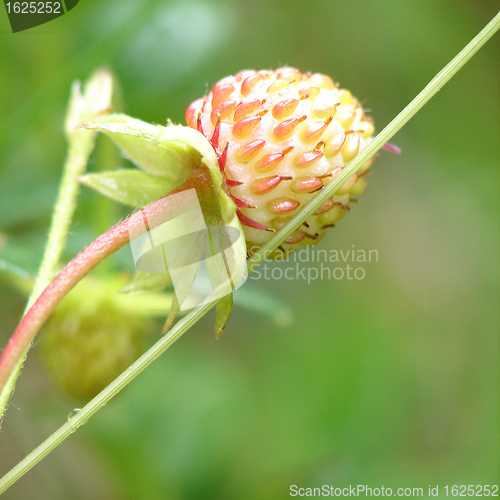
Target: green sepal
[
  {"x": 172, "y": 316},
  {"x": 130, "y": 187},
  {"x": 224, "y": 308},
  {"x": 148, "y": 304},
  {"x": 147, "y": 282},
  {"x": 174, "y": 160},
  {"x": 172, "y": 153},
  {"x": 95, "y": 100},
  {"x": 177, "y": 134}
]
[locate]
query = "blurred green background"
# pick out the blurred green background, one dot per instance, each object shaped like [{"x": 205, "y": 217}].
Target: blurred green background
[{"x": 391, "y": 380}]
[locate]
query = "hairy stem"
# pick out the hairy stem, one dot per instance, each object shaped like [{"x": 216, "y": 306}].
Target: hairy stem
[
  {"x": 108, "y": 243},
  {"x": 94, "y": 101},
  {"x": 75, "y": 166},
  {"x": 183, "y": 325},
  {"x": 81, "y": 144}
]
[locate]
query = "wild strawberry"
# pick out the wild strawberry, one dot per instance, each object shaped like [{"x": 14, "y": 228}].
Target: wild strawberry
[
  {"x": 281, "y": 136},
  {"x": 95, "y": 334}
]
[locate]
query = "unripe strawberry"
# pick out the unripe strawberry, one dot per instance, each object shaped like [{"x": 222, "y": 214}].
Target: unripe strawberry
[
  {"x": 93, "y": 336},
  {"x": 281, "y": 136}
]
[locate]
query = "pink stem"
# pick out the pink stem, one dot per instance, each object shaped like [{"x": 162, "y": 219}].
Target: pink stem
[{"x": 112, "y": 240}]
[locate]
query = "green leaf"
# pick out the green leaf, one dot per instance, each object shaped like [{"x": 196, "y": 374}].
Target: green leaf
[
  {"x": 130, "y": 187},
  {"x": 224, "y": 307}
]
